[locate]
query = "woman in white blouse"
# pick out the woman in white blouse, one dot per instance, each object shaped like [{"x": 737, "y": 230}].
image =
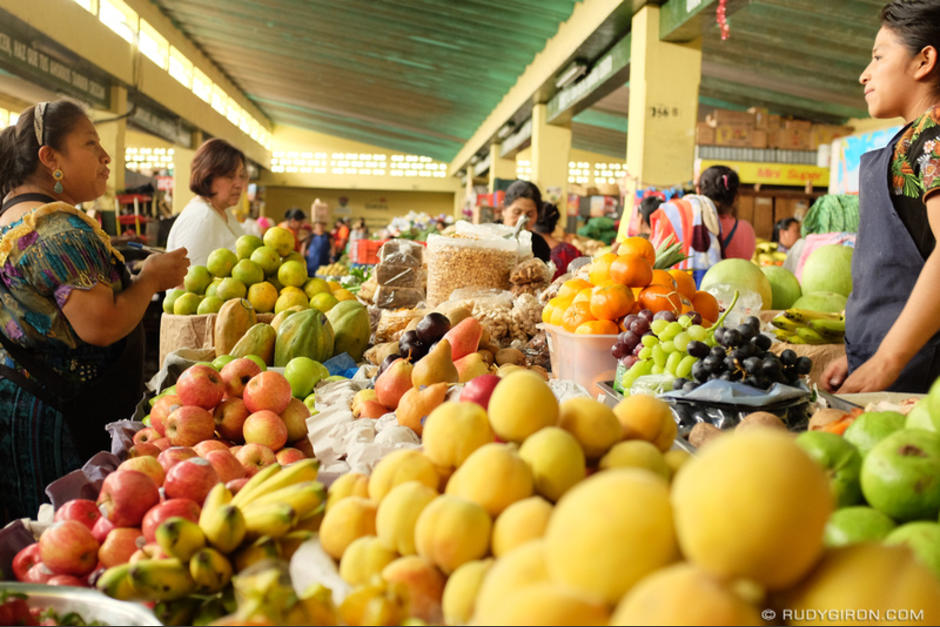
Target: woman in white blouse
[{"x": 218, "y": 179}]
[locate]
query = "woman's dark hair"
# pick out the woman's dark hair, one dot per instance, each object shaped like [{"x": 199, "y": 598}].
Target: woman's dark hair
[
  {"x": 782, "y": 225},
  {"x": 720, "y": 183},
  {"x": 216, "y": 157},
  {"x": 647, "y": 206},
  {"x": 916, "y": 23},
  {"x": 295, "y": 214},
  {"x": 548, "y": 219},
  {"x": 523, "y": 189},
  {"x": 19, "y": 147}
]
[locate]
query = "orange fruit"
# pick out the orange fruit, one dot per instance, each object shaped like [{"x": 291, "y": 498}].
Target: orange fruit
[
  {"x": 584, "y": 296},
  {"x": 571, "y": 287},
  {"x": 631, "y": 270},
  {"x": 558, "y": 316},
  {"x": 611, "y": 302},
  {"x": 661, "y": 277},
  {"x": 684, "y": 282},
  {"x": 547, "y": 311},
  {"x": 638, "y": 246},
  {"x": 600, "y": 268},
  {"x": 576, "y": 315},
  {"x": 597, "y": 327},
  {"x": 661, "y": 298},
  {"x": 705, "y": 304}
]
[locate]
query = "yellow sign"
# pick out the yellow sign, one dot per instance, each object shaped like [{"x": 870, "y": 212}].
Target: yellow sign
[{"x": 773, "y": 173}]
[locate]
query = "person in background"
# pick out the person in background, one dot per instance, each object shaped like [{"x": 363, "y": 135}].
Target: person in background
[
  {"x": 340, "y": 237},
  {"x": 206, "y": 223},
  {"x": 318, "y": 251},
  {"x": 295, "y": 221},
  {"x": 720, "y": 184},
  {"x": 786, "y": 233},
  {"x": 358, "y": 232},
  {"x": 524, "y": 198},
  {"x": 647, "y": 206},
  {"x": 72, "y": 349},
  {"x": 562, "y": 253},
  {"x": 892, "y": 332}
]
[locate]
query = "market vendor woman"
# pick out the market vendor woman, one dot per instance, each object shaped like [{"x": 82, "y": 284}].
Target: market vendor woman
[
  {"x": 524, "y": 198},
  {"x": 71, "y": 341},
  {"x": 893, "y": 314}
]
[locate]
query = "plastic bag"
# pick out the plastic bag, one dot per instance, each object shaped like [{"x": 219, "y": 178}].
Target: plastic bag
[
  {"x": 389, "y": 274},
  {"x": 398, "y": 297},
  {"x": 402, "y": 252}
]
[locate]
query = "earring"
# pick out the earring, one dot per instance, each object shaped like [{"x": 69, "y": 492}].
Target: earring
[{"x": 58, "y": 175}]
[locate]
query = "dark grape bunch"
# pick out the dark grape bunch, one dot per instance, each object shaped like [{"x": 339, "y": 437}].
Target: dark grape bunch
[
  {"x": 741, "y": 354},
  {"x": 656, "y": 344},
  {"x": 416, "y": 343}
]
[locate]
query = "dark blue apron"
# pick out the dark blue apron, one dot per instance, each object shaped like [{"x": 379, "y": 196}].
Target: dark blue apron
[{"x": 885, "y": 266}]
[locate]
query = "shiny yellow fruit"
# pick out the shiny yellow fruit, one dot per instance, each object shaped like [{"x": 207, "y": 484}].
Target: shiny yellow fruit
[
  {"x": 262, "y": 296},
  {"x": 636, "y": 454},
  {"x": 398, "y": 467},
  {"x": 398, "y": 514},
  {"x": 452, "y": 531},
  {"x": 454, "y": 430},
  {"x": 519, "y": 523},
  {"x": 521, "y": 567},
  {"x": 556, "y": 460},
  {"x": 364, "y": 558},
  {"x": 521, "y": 404},
  {"x": 349, "y": 484},
  {"x": 348, "y": 519},
  {"x": 645, "y": 417},
  {"x": 461, "y": 589},
  {"x": 592, "y": 423},
  {"x": 494, "y": 476},
  {"x": 549, "y": 603}
]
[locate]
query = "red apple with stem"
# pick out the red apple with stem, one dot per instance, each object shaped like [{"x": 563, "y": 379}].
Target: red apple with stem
[
  {"x": 164, "y": 406},
  {"x": 267, "y": 390},
  {"x": 229, "y": 417},
  {"x": 226, "y": 466},
  {"x": 147, "y": 434},
  {"x": 84, "y": 511},
  {"x": 125, "y": 497},
  {"x": 175, "y": 455},
  {"x": 25, "y": 559},
  {"x": 191, "y": 478},
  {"x": 189, "y": 425},
  {"x": 479, "y": 389},
  {"x": 237, "y": 373},
  {"x": 185, "y": 507},
  {"x": 254, "y": 457},
  {"x": 147, "y": 465},
  {"x": 119, "y": 545},
  {"x": 265, "y": 427},
  {"x": 200, "y": 385},
  {"x": 68, "y": 548}
]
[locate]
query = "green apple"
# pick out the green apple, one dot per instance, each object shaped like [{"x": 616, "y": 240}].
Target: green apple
[
  {"x": 209, "y": 304},
  {"x": 187, "y": 304},
  {"x": 231, "y": 288},
  {"x": 221, "y": 261},
  {"x": 919, "y": 417},
  {"x": 334, "y": 378},
  {"x": 267, "y": 258},
  {"x": 872, "y": 427},
  {"x": 303, "y": 374},
  {"x": 311, "y": 402},
  {"x": 901, "y": 475},
  {"x": 248, "y": 272},
  {"x": 923, "y": 538},
  {"x": 258, "y": 361},
  {"x": 219, "y": 362},
  {"x": 851, "y": 525},
  {"x": 169, "y": 390},
  {"x": 197, "y": 279},
  {"x": 146, "y": 420},
  {"x": 245, "y": 245},
  {"x": 840, "y": 459},
  {"x": 170, "y": 297}
]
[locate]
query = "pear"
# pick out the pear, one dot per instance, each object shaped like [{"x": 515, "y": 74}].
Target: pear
[
  {"x": 435, "y": 367},
  {"x": 391, "y": 385}
]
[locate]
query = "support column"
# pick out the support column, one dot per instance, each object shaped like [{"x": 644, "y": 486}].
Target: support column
[
  {"x": 113, "y": 140},
  {"x": 182, "y": 169},
  {"x": 664, "y": 85},
  {"x": 500, "y": 167},
  {"x": 551, "y": 146}
]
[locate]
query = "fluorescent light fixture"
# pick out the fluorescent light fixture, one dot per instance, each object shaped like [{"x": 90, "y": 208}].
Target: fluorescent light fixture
[
  {"x": 506, "y": 130},
  {"x": 475, "y": 159},
  {"x": 572, "y": 73}
]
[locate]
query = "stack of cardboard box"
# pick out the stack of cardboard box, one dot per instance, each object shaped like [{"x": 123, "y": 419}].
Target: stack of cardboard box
[{"x": 757, "y": 128}]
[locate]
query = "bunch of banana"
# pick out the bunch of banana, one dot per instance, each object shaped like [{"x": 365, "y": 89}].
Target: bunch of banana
[
  {"x": 333, "y": 269},
  {"x": 273, "y": 513},
  {"x": 767, "y": 254},
  {"x": 801, "y": 326}
]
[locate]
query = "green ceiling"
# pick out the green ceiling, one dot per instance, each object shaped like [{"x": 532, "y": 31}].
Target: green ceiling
[{"x": 412, "y": 75}]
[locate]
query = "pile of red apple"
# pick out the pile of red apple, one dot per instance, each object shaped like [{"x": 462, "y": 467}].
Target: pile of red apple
[{"x": 217, "y": 427}]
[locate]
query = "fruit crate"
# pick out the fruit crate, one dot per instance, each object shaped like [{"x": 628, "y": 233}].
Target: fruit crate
[
  {"x": 584, "y": 359},
  {"x": 365, "y": 251}
]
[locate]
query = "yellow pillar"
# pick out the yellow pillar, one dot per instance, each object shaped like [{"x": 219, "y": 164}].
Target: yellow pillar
[
  {"x": 113, "y": 139},
  {"x": 500, "y": 168},
  {"x": 663, "y": 110},
  {"x": 182, "y": 169},
  {"x": 551, "y": 145}
]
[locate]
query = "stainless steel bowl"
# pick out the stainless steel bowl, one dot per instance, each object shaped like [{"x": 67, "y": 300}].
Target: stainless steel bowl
[{"x": 91, "y": 604}]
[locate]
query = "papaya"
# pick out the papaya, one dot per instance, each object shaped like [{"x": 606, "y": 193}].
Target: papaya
[
  {"x": 234, "y": 319},
  {"x": 281, "y": 316},
  {"x": 306, "y": 333},
  {"x": 350, "y": 322},
  {"x": 258, "y": 340}
]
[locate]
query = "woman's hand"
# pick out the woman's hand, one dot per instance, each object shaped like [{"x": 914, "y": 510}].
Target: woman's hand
[
  {"x": 834, "y": 374},
  {"x": 875, "y": 375},
  {"x": 165, "y": 271}
]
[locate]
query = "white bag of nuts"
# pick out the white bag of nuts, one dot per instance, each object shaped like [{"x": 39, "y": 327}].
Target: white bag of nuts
[{"x": 479, "y": 255}]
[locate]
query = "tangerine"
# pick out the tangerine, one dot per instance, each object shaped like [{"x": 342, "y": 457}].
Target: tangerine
[
  {"x": 661, "y": 298},
  {"x": 576, "y": 315},
  {"x": 684, "y": 282},
  {"x": 597, "y": 327},
  {"x": 638, "y": 246},
  {"x": 705, "y": 304},
  {"x": 661, "y": 277},
  {"x": 611, "y": 302},
  {"x": 600, "y": 268},
  {"x": 584, "y": 296},
  {"x": 571, "y": 287},
  {"x": 631, "y": 270}
]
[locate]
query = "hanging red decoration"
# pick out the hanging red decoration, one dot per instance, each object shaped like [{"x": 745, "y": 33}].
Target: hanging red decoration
[{"x": 721, "y": 16}]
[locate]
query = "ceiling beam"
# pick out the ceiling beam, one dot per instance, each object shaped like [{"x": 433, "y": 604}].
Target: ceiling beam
[
  {"x": 685, "y": 20},
  {"x": 607, "y": 73}
]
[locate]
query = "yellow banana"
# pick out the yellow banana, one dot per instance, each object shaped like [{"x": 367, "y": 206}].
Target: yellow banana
[
  {"x": 805, "y": 315},
  {"x": 248, "y": 490},
  {"x": 825, "y": 326},
  {"x": 790, "y": 338},
  {"x": 116, "y": 583},
  {"x": 177, "y": 612},
  {"x": 263, "y": 548},
  {"x": 269, "y": 519},
  {"x": 785, "y": 323},
  {"x": 210, "y": 570},
  {"x": 218, "y": 496},
  {"x": 303, "y": 497},
  {"x": 224, "y": 527},
  {"x": 298, "y": 472},
  {"x": 180, "y": 537},
  {"x": 162, "y": 580},
  {"x": 811, "y": 336}
]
